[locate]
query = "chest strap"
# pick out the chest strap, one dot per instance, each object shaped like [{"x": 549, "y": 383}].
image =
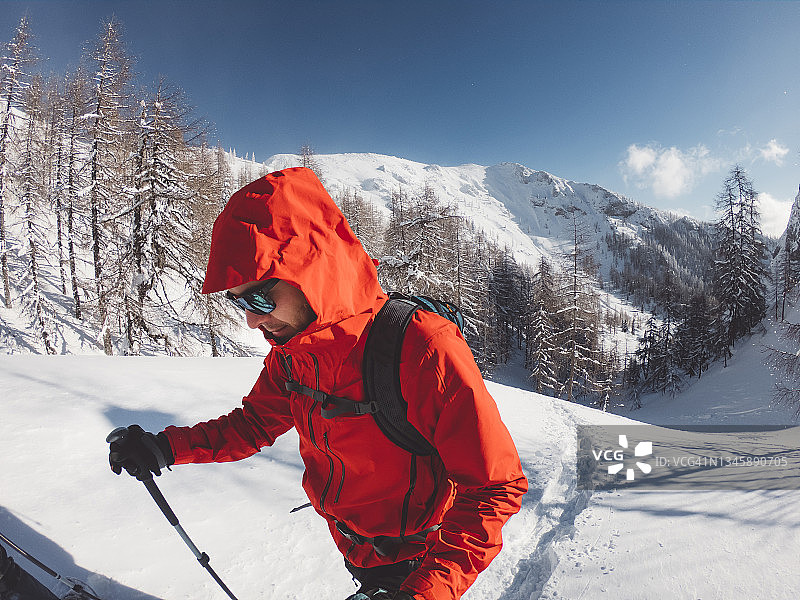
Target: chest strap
[
  {"x": 332, "y": 406},
  {"x": 383, "y": 544}
]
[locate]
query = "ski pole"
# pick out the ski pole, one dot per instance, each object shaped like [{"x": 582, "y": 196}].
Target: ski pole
[
  {"x": 146, "y": 477},
  {"x": 75, "y": 587}
]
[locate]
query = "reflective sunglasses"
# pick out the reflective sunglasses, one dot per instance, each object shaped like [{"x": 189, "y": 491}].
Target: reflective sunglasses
[{"x": 256, "y": 300}]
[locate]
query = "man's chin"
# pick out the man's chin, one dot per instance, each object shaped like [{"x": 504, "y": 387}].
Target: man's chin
[{"x": 277, "y": 339}]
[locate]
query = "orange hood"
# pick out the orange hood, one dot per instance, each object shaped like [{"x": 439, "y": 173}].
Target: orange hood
[{"x": 285, "y": 225}]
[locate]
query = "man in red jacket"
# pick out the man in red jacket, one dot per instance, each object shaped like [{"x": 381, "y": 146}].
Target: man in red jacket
[{"x": 408, "y": 526}]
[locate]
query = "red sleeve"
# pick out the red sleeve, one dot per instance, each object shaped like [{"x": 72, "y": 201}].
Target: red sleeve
[
  {"x": 264, "y": 415},
  {"x": 479, "y": 456}
]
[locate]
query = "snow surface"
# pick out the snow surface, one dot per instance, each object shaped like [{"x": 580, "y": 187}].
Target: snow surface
[{"x": 60, "y": 501}]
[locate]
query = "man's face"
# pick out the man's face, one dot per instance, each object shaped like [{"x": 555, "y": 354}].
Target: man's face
[{"x": 292, "y": 312}]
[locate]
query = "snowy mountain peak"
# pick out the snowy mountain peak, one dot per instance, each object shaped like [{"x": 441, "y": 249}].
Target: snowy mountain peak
[
  {"x": 523, "y": 209},
  {"x": 526, "y": 210}
]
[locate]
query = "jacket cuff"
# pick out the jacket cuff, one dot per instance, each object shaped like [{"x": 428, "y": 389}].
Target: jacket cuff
[
  {"x": 425, "y": 586},
  {"x": 163, "y": 444}
]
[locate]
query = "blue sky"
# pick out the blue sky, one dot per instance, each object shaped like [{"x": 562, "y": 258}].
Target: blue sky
[{"x": 654, "y": 100}]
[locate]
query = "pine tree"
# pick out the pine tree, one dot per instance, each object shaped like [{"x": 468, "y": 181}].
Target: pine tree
[
  {"x": 416, "y": 257},
  {"x": 308, "y": 159},
  {"x": 74, "y": 109},
  {"x": 579, "y": 338},
  {"x": 473, "y": 295},
  {"x": 54, "y": 147},
  {"x": 541, "y": 351},
  {"x": 365, "y": 221},
  {"x": 30, "y": 175},
  {"x": 18, "y": 56},
  {"x": 506, "y": 293},
  {"x": 210, "y": 186},
  {"x": 108, "y": 103},
  {"x": 664, "y": 369},
  {"x": 694, "y": 335},
  {"x": 161, "y": 246},
  {"x": 739, "y": 268}
]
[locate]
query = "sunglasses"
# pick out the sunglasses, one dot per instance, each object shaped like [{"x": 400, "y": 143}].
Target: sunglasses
[{"x": 256, "y": 300}]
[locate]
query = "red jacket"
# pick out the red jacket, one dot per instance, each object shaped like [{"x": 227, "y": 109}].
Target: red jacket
[{"x": 286, "y": 226}]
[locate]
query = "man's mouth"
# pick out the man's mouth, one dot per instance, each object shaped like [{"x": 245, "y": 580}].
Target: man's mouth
[{"x": 274, "y": 333}]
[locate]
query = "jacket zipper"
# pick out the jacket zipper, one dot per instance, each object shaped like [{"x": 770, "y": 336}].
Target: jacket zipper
[
  {"x": 312, "y": 435},
  {"x": 341, "y": 462}
]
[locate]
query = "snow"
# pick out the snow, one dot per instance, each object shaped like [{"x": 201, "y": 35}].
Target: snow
[
  {"x": 61, "y": 502},
  {"x": 522, "y": 209}
]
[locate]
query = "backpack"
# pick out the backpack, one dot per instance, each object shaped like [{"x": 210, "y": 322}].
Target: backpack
[{"x": 381, "y": 372}]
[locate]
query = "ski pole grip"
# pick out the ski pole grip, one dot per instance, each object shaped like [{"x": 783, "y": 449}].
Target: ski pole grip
[{"x": 160, "y": 500}]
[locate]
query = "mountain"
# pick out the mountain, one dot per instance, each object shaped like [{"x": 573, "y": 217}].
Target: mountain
[
  {"x": 786, "y": 258},
  {"x": 529, "y": 213},
  {"x": 790, "y": 239},
  {"x": 525, "y": 210}
]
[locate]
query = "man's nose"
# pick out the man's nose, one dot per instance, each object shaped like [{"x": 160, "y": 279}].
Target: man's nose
[{"x": 255, "y": 320}]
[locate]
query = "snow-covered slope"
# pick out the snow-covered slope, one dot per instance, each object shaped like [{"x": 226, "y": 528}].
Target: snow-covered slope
[
  {"x": 520, "y": 208},
  {"x": 59, "y": 500},
  {"x": 791, "y": 233}
]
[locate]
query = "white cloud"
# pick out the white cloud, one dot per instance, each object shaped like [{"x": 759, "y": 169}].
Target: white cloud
[
  {"x": 668, "y": 172},
  {"x": 774, "y": 214},
  {"x": 774, "y": 152}
]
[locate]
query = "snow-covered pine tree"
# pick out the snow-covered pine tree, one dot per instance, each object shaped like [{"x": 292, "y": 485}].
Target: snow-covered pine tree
[
  {"x": 54, "y": 147},
  {"x": 30, "y": 175},
  {"x": 161, "y": 254},
  {"x": 417, "y": 257},
  {"x": 579, "y": 337},
  {"x": 472, "y": 294},
  {"x": 695, "y": 338},
  {"x": 739, "y": 269},
  {"x": 365, "y": 221},
  {"x": 109, "y": 104},
  {"x": 541, "y": 353},
  {"x": 506, "y": 292},
  {"x": 307, "y": 157},
  {"x": 664, "y": 373},
  {"x": 209, "y": 184},
  {"x": 74, "y": 107},
  {"x": 18, "y": 56}
]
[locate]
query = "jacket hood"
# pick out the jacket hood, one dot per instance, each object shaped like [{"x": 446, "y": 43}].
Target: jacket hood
[{"x": 285, "y": 225}]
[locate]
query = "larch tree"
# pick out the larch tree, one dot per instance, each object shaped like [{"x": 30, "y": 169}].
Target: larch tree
[
  {"x": 18, "y": 56},
  {"x": 30, "y": 176},
  {"x": 160, "y": 251},
  {"x": 579, "y": 337},
  {"x": 108, "y": 102},
  {"x": 74, "y": 107}
]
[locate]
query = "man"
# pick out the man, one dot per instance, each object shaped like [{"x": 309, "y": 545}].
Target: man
[{"x": 409, "y": 526}]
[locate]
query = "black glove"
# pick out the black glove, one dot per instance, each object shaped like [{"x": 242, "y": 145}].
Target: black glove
[{"x": 138, "y": 452}]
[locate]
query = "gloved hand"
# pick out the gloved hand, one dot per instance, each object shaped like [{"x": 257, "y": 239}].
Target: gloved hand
[{"x": 138, "y": 452}]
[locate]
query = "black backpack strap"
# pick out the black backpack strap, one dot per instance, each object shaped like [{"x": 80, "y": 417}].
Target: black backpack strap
[
  {"x": 339, "y": 405},
  {"x": 381, "y": 373}
]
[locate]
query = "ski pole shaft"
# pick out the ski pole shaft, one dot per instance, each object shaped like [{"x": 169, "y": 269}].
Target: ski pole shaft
[
  {"x": 33, "y": 559},
  {"x": 162, "y": 503},
  {"x": 73, "y": 586}
]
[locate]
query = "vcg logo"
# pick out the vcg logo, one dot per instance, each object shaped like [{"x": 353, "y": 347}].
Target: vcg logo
[{"x": 618, "y": 457}]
